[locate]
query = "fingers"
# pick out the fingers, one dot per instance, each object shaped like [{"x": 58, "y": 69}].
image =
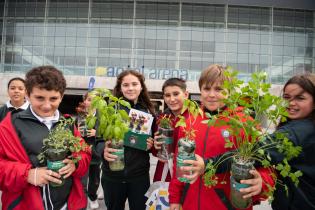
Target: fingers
[
  {"x": 157, "y": 144},
  {"x": 149, "y": 143},
  {"x": 91, "y": 132},
  {"x": 108, "y": 152},
  {"x": 68, "y": 169},
  {"x": 51, "y": 176},
  {"x": 255, "y": 185}
]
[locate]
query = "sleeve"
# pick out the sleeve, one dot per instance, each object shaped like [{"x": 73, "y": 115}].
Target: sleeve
[
  {"x": 13, "y": 174},
  {"x": 85, "y": 158}
]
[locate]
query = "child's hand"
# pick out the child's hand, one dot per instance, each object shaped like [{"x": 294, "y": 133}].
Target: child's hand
[
  {"x": 196, "y": 169},
  {"x": 149, "y": 143},
  {"x": 107, "y": 152},
  {"x": 68, "y": 169},
  {"x": 256, "y": 185},
  {"x": 42, "y": 176},
  {"x": 91, "y": 132}
]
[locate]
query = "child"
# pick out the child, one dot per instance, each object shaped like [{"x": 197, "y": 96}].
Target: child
[
  {"x": 134, "y": 180},
  {"x": 209, "y": 143},
  {"x": 17, "y": 102},
  {"x": 299, "y": 91},
  {"x": 23, "y": 180},
  {"x": 91, "y": 180},
  {"x": 174, "y": 93}
]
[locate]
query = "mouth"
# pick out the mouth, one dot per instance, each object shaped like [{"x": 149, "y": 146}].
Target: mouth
[{"x": 292, "y": 111}]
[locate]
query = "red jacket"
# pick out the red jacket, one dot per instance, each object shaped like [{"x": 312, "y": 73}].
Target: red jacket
[
  {"x": 160, "y": 164},
  {"x": 198, "y": 194},
  {"x": 17, "y": 193}
]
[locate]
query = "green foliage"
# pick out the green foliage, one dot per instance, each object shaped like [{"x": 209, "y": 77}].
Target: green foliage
[
  {"x": 193, "y": 110},
  {"x": 248, "y": 140},
  {"x": 165, "y": 122},
  {"x": 61, "y": 138},
  {"x": 113, "y": 121}
]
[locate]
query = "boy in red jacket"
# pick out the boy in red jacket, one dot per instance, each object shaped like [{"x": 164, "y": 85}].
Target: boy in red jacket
[
  {"x": 210, "y": 143},
  {"x": 174, "y": 93},
  {"x": 23, "y": 179}
]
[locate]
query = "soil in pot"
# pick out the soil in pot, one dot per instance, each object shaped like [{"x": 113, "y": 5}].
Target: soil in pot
[
  {"x": 119, "y": 163},
  {"x": 54, "y": 162},
  {"x": 186, "y": 151},
  {"x": 240, "y": 171}
]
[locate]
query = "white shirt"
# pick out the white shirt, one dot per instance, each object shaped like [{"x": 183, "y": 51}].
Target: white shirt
[
  {"x": 24, "y": 106},
  {"x": 48, "y": 121}
]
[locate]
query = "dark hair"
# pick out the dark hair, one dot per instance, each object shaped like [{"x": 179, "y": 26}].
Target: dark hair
[
  {"x": 307, "y": 83},
  {"x": 212, "y": 74},
  {"x": 16, "y": 78},
  {"x": 143, "y": 98},
  {"x": 45, "y": 77},
  {"x": 175, "y": 82}
]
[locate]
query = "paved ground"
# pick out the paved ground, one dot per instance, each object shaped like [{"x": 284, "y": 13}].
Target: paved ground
[{"x": 263, "y": 206}]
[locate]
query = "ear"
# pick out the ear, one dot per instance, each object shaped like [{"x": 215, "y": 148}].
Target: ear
[{"x": 186, "y": 94}]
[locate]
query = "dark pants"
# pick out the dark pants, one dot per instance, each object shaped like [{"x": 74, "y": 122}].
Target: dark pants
[
  {"x": 91, "y": 181},
  {"x": 116, "y": 193}
]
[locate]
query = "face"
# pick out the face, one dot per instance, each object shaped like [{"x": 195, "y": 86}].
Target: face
[
  {"x": 301, "y": 103},
  {"x": 87, "y": 102},
  {"x": 131, "y": 87},
  {"x": 211, "y": 96},
  {"x": 44, "y": 102},
  {"x": 17, "y": 92},
  {"x": 174, "y": 98}
]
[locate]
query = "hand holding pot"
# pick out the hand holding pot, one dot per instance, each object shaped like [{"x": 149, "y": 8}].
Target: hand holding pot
[
  {"x": 42, "y": 176},
  {"x": 108, "y": 152},
  {"x": 256, "y": 185},
  {"x": 196, "y": 168},
  {"x": 157, "y": 143},
  {"x": 149, "y": 143},
  {"x": 91, "y": 132},
  {"x": 68, "y": 169}
]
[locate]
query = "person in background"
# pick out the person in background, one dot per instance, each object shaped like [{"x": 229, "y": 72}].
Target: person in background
[
  {"x": 299, "y": 91},
  {"x": 210, "y": 143},
  {"x": 23, "y": 179},
  {"x": 17, "y": 102},
  {"x": 174, "y": 93},
  {"x": 134, "y": 180},
  {"x": 91, "y": 180}
]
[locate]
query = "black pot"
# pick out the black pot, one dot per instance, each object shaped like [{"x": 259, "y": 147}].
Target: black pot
[{"x": 54, "y": 162}]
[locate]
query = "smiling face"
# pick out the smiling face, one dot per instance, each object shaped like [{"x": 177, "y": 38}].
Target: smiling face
[
  {"x": 44, "y": 102},
  {"x": 301, "y": 103},
  {"x": 131, "y": 87},
  {"x": 211, "y": 96},
  {"x": 16, "y": 92},
  {"x": 174, "y": 98}
]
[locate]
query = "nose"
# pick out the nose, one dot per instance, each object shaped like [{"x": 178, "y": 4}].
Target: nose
[{"x": 47, "y": 105}]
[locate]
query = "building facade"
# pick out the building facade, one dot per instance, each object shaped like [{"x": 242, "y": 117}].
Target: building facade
[{"x": 161, "y": 39}]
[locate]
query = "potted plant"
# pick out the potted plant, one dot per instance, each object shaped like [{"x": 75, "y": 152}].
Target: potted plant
[
  {"x": 113, "y": 122},
  {"x": 166, "y": 130},
  {"x": 60, "y": 144},
  {"x": 249, "y": 142},
  {"x": 186, "y": 144}
]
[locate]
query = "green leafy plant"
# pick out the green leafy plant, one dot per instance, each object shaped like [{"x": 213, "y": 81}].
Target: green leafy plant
[
  {"x": 113, "y": 121},
  {"x": 245, "y": 137},
  {"x": 165, "y": 122},
  {"x": 193, "y": 110},
  {"x": 61, "y": 141}
]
